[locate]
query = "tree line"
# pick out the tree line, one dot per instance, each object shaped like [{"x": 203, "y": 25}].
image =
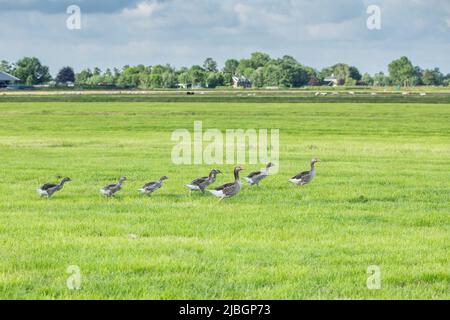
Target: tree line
[{"x": 261, "y": 69}]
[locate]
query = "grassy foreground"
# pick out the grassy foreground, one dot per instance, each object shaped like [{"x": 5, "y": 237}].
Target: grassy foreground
[{"x": 381, "y": 198}]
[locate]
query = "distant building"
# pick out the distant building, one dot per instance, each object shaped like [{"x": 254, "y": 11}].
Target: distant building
[
  {"x": 6, "y": 79},
  {"x": 241, "y": 82},
  {"x": 332, "y": 80}
]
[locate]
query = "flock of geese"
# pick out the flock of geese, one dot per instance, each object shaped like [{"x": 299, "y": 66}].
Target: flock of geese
[{"x": 227, "y": 190}]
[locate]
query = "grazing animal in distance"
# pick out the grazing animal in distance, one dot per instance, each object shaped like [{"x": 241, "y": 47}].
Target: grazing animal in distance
[
  {"x": 201, "y": 184},
  {"x": 112, "y": 189},
  {"x": 49, "y": 189},
  {"x": 256, "y": 177},
  {"x": 151, "y": 187},
  {"x": 230, "y": 189},
  {"x": 307, "y": 176}
]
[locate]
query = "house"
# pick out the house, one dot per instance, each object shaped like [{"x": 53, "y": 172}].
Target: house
[
  {"x": 332, "y": 80},
  {"x": 241, "y": 82},
  {"x": 6, "y": 79}
]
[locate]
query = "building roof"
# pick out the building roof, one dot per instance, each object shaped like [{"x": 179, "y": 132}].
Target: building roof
[
  {"x": 330, "y": 78},
  {"x": 7, "y": 77},
  {"x": 240, "y": 79}
]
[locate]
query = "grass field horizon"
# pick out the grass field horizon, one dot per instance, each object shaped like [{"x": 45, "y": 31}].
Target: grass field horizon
[{"x": 381, "y": 197}]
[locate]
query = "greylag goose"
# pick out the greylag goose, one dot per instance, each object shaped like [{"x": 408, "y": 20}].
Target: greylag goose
[
  {"x": 200, "y": 184},
  {"x": 112, "y": 189},
  {"x": 151, "y": 187},
  {"x": 230, "y": 189},
  {"x": 307, "y": 176},
  {"x": 48, "y": 189},
  {"x": 256, "y": 177}
]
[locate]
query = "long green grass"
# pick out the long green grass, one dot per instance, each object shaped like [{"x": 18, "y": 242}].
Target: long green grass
[{"x": 381, "y": 197}]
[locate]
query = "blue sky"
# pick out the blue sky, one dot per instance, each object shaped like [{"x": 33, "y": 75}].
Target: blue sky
[{"x": 316, "y": 32}]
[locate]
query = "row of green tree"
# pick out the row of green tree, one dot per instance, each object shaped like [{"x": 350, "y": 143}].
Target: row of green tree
[{"x": 260, "y": 69}]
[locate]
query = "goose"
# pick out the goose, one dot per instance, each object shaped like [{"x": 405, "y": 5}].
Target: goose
[
  {"x": 200, "y": 184},
  {"x": 112, "y": 189},
  {"x": 49, "y": 189},
  {"x": 305, "y": 177},
  {"x": 230, "y": 189},
  {"x": 256, "y": 177},
  {"x": 151, "y": 187}
]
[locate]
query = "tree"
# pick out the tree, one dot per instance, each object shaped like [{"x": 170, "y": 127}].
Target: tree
[
  {"x": 257, "y": 78},
  {"x": 294, "y": 74},
  {"x": 342, "y": 72},
  {"x": 354, "y": 73},
  {"x": 31, "y": 70},
  {"x": 131, "y": 76},
  {"x": 65, "y": 75},
  {"x": 367, "y": 79},
  {"x": 83, "y": 76},
  {"x": 432, "y": 77},
  {"x": 214, "y": 79},
  {"x": 272, "y": 75},
  {"x": 244, "y": 67},
  {"x": 380, "y": 79},
  {"x": 169, "y": 79},
  {"x": 197, "y": 75},
  {"x": 403, "y": 73},
  {"x": 210, "y": 65},
  {"x": 259, "y": 59},
  {"x": 5, "y": 66},
  {"x": 97, "y": 71},
  {"x": 231, "y": 66},
  {"x": 184, "y": 78}
]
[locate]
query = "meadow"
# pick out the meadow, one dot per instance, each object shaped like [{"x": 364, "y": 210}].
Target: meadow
[{"x": 381, "y": 197}]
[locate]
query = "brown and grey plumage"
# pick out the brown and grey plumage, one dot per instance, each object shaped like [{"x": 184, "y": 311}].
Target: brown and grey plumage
[
  {"x": 201, "y": 184},
  {"x": 151, "y": 187},
  {"x": 112, "y": 189},
  {"x": 256, "y": 177},
  {"x": 49, "y": 189},
  {"x": 230, "y": 189},
  {"x": 307, "y": 176}
]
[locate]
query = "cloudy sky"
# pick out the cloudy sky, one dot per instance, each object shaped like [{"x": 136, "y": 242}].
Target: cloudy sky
[{"x": 184, "y": 32}]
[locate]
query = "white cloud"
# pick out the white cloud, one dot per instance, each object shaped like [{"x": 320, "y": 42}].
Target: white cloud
[
  {"x": 180, "y": 32},
  {"x": 142, "y": 9}
]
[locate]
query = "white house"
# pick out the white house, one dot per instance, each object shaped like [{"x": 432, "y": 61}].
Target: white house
[
  {"x": 241, "y": 82},
  {"x": 332, "y": 80},
  {"x": 7, "y": 79}
]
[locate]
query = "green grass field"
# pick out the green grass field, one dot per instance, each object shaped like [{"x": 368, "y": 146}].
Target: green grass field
[{"x": 381, "y": 197}]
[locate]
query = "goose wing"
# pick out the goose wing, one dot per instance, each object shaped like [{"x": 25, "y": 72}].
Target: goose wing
[
  {"x": 109, "y": 187},
  {"x": 254, "y": 174},
  {"x": 151, "y": 186},
  {"x": 302, "y": 175},
  {"x": 48, "y": 186},
  {"x": 226, "y": 188},
  {"x": 199, "y": 181}
]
